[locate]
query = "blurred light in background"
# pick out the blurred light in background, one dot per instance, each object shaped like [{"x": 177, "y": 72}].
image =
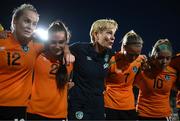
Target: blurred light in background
[{"x": 41, "y": 34}]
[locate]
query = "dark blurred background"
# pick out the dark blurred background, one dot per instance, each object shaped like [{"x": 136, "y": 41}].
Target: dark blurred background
[{"x": 151, "y": 19}]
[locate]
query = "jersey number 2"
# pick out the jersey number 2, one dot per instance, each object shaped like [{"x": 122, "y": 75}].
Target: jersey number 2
[{"x": 54, "y": 68}]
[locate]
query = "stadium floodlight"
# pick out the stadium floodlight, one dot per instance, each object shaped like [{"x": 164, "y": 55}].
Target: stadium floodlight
[{"x": 42, "y": 34}]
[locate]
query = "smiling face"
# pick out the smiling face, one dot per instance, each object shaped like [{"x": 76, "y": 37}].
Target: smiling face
[
  {"x": 25, "y": 25},
  {"x": 57, "y": 42}
]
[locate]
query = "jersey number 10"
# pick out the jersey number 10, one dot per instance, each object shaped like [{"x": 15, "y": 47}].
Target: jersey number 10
[{"x": 158, "y": 83}]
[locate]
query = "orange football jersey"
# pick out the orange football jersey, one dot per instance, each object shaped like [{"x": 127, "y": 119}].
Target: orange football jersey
[
  {"x": 46, "y": 99},
  {"x": 175, "y": 63},
  {"x": 153, "y": 98},
  {"x": 16, "y": 68},
  {"x": 119, "y": 83}
]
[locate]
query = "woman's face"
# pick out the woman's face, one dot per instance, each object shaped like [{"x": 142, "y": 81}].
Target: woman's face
[
  {"x": 133, "y": 50},
  {"x": 106, "y": 38},
  {"x": 25, "y": 25},
  {"x": 57, "y": 42},
  {"x": 163, "y": 59}
]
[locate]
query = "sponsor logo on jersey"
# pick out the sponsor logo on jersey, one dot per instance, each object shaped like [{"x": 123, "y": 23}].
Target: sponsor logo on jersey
[
  {"x": 106, "y": 58},
  {"x": 106, "y": 65},
  {"x": 88, "y": 58}
]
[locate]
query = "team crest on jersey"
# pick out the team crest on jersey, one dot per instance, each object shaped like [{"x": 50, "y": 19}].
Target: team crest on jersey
[
  {"x": 25, "y": 48},
  {"x": 106, "y": 65},
  {"x": 79, "y": 115},
  {"x": 167, "y": 77},
  {"x": 135, "y": 69}
]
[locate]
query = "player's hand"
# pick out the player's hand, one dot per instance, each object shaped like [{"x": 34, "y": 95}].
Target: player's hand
[
  {"x": 69, "y": 58},
  {"x": 70, "y": 84},
  {"x": 145, "y": 63}
]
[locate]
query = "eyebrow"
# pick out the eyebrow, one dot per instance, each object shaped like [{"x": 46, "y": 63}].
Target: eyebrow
[{"x": 29, "y": 18}]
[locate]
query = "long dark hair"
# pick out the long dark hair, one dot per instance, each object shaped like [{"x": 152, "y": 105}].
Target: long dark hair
[{"x": 61, "y": 74}]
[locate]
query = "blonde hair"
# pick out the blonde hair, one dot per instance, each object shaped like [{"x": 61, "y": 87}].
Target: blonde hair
[
  {"x": 101, "y": 25},
  {"x": 18, "y": 12},
  {"x": 130, "y": 38}
]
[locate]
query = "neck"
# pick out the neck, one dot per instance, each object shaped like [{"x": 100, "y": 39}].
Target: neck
[
  {"x": 128, "y": 58},
  {"x": 21, "y": 40},
  {"x": 99, "y": 48}
]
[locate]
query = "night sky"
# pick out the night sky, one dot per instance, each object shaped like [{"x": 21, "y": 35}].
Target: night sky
[{"x": 151, "y": 19}]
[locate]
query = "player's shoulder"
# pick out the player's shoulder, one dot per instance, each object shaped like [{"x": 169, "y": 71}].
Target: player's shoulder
[
  {"x": 171, "y": 70},
  {"x": 80, "y": 45},
  {"x": 5, "y": 35}
]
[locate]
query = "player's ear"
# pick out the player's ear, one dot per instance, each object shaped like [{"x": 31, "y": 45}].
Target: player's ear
[{"x": 96, "y": 36}]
